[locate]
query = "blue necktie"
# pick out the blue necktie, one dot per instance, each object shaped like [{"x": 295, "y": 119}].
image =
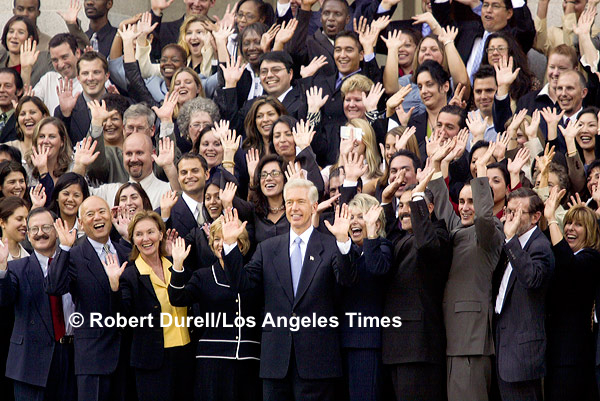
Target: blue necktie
[
  {"x": 479, "y": 55},
  {"x": 296, "y": 263}
]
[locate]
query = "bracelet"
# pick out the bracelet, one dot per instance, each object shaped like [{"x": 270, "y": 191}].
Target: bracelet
[
  {"x": 448, "y": 42},
  {"x": 228, "y": 164},
  {"x": 572, "y": 154},
  {"x": 552, "y": 222}
]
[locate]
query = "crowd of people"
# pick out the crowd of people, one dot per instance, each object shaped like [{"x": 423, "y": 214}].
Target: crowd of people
[{"x": 301, "y": 200}]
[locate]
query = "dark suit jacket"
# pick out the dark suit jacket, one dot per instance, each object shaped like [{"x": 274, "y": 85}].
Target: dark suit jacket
[
  {"x": 182, "y": 219},
  {"x": 9, "y": 132},
  {"x": 200, "y": 253},
  {"x": 520, "y": 331},
  {"x": 164, "y": 33},
  {"x": 82, "y": 274},
  {"x": 32, "y": 341},
  {"x": 78, "y": 123},
  {"x": 415, "y": 291},
  {"x": 323, "y": 268}
]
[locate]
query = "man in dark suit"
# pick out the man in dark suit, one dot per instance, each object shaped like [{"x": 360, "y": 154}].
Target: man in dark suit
[
  {"x": 416, "y": 351},
  {"x": 99, "y": 359},
  {"x": 512, "y": 17},
  {"x": 299, "y": 273},
  {"x": 522, "y": 279},
  {"x": 11, "y": 89},
  {"x": 40, "y": 357},
  {"x": 92, "y": 74}
]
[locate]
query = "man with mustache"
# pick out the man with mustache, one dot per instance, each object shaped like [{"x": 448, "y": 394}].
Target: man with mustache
[
  {"x": 40, "y": 357},
  {"x": 85, "y": 272}
]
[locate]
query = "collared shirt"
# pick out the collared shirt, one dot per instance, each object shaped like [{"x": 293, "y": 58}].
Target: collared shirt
[
  {"x": 67, "y": 301},
  {"x": 489, "y": 134},
  {"x": 45, "y": 89},
  {"x": 154, "y": 188},
  {"x": 99, "y": 248},
  {"x": 305, "y": 236},
  {"x": 105, "y": 37},
  {"x": 174, "y": 336},
  {"x": 504, "y": 283},
  {"x": 572, "y": 116},
  {"x": 283, "y": 95},
  {"x": 192, "y": 204},
  {"x": 256, "y": 89}
]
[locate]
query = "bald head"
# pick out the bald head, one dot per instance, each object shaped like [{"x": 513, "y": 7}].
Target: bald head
[
  {"x": 95, "y": 219},
  {"x": 137, "y": 156}
]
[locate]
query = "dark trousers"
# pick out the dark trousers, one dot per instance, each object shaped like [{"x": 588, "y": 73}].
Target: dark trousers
[
  {"x": 227, "y": 380},
  {"x": 364, "y": 375},
  {"x": 173, "y": 381},
  {"x": 294, "y": 388},
  {"x": 469, "y": 378},
  {"x": 419, "y": 381},
  {"x": 110, "y": 387},
  {"x": 530, "y": 390},
  {"x": 60, "y": 385}
]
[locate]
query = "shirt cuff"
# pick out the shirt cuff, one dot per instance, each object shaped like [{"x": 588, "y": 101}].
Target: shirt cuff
[
  {"x": 436, "y": 175},
  {"x": 501, "y": 97},
  {"x": 440, "y": 1},
  {"x": 369, "y": 57},
  {"x": 96, "y": 131},
  {"x": 593, "y": 67},
  {"x": 518, "y": 3},
  {"x": 381, "y": 10},
  {"x": 477, "y": 9},
  {"x": 283, "y": 8},
  {"x": 228, "y": 248},
  {"x": 166, "y": 129},
  {"x": 344, "y": 247},
  {"x": 348, "y": 183},
  {"x": 65, "y": 247}
]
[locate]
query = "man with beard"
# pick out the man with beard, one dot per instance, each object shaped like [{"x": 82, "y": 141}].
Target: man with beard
[
  {"x": 521, "y": 281},
  {"x": 98, "y": 350},
  {"x": 415, "y": 352},
  {"x": 40, "y": 357},
  {"x": 101, "y": 33}
]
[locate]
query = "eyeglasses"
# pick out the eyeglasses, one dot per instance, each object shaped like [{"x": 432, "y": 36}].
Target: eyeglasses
[
  {"x": 493, "y": 6},
  {"x": 199, "y": 126},
  {"x": 46, "y": 229},
  {"x": 247, "y": 17},
  {"x": 499, "y": 49},
  {"x": 272, "y": 173},
  {"x": 275, "y": 70},
  {"x": 510, "y": 212}
]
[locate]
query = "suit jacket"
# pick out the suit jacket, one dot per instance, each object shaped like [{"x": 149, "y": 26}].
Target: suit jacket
[
  {"x": 164, "y": 33},
  {"x": 82, "y": 274},
  {"x": 182, "y": 219},
  {"x": 520, "y": 332},
  {"x": 476, "y": 249},
  {"x": 9, "y": 132},
  {"x": 323, "y": 268},
  {"x": 415, "y": 290},
  {"x": 200, "y": 253},
  {"x": 78, "y": 123},
  {"x": 32, "y": 342}
]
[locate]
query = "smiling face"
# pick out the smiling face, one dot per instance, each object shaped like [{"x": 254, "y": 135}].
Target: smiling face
[
  {"x": 404, "y": 210},
  {"x": 448, "y": 125},
  {"x": 17, "y": 35},
  {"x": 212, "y": 202},
  {"x": 266, "y": 115},
  {"x": 49, "y": 137},
  {"x": 347, "y": 55},
  {"x": 69, "y": 199},
  {"x": 137, "y": 124},
  {"x": 186, "y": 86},
  {"x": 251, "y": 49},
  {"x": 146, "y": 238},
  {"x": 575, "y": 235},
  {"x": 593, "y": 179},
  {"x": 570, "y": 92},
  {"x": 283, "y": 141},
  {"x": 44, "y": 243},
  {"x": 353, "y": 105},
  {"x": 430, "y": 50},
  {"x": 14, "y": 184},
  {"x": 586, "y": 138},
  {"x": 137, "y": 156},
  {"x": 96, "y": 219},
  {"x": 198, "y": 7},
  {"x": 390, "y": 146},
  {"x": 479, "y": 152},
  {"x": 217, "y": 244},
  {"x": 402, "y": 163},
  {"x": 170, "y": 61},
  {"x": 557, "y": 65},
  {"x": 8, "y": 91},
  {"x": 113, "y": 129},
  {"x": 198, "y": 121},
  {"x": 528, "y": 219},
  {"x": 92, "y": 77},
  {"x": 15, "y": 226},
  {"x": 334, "y": 17},
  {"x": 269, "y": 185},
  {"x": 191, "y": 176},
  {"x": 28, "y": 117},
  {"x": 299, "y": 209},
  {"x": 484, "y": 90},
  {"x": 131, "y": 200},
  {"x": 498, "y": 184},
  {"x": 275, "y": 78},
  {"x": 358, "y": 227},
  {"x": 193, "y": 38},
  {"x": 466, "y": 209},
  {"x": 64, "y": 60},
  {"x": 495, "y": 16},
  {"x": 432, "y": 94},
  {"x": 212, "y": 149},
  {"x": 497, "y": 48},
  {"x": 406, "y": 52}
]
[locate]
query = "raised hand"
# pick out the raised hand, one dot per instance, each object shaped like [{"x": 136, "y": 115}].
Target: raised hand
[
  {"x": 65, "y": 236},
  {"x": 268, "y": 37},
  {"x": 371, "y": 100},
  {"x": 433, "y": 143},
  {"x": 402, "y": 141},
  {"x": 511, "y": 225},
  {"x": 531, "y": 130},
  {"x": 585, "y": 22},
  {"x": 221, "y": 128},
  {"x": 29, "y": 53},
  {"x": 99, "y": 112},
  {"x": 145, "y": 27},
  {"x": 571, "y": 130},
  {"x": 70, "y": 15},
  {"x": 395, "y": 101},
  {"x": 167, "y": 202},
  {"x": 294, "y": 171},
  {"x": 515, "y": 123},
  {"x": 448, "y": 34},
  {"x": 459, "y": 94},
  {"x": 228, "y": 17},
  {"x": 121, "y": 217},
  {"x": 231, "y": 227},
  {"x": 367, "y": 36},
  {"x": 394, "y": 41},
  {"x": 232, "y": 71},
  {"x": 515, "y": 165},
  {"x": 502, "y": 141},
  {"x": 171, "y": 236},
  {"x": 158, "y": 6},
  {"x": 424, "y": 178},
  {"x": 223, "y": 32},
  {"x": 576, "y": 200},
  {"x": 227, "y": 195},
  {"x": 426, "y": 18},
  {"x": 303, "y": 134},
  {"x": 543, "y": 162},
  {"x": 113, "y": 270},
  {"x": 37, "y": 195},
  {"x": 231, "y": 143},
  {"x": 165, "y": 112},
  {"x": 371, "y": 218},
  {"x": 341, "y": 225},
  {"x": 483, "y": 161},
  {"x": 39, "y": 159},
  {"x": 85, "y": 152},
  {"x": 505, "y": 75},
  {"x": 315, "y": 65},
  {"x": 285, "y": 33},
  {"x": 252, "y": 158},
  {"x": 477, "y": 125},
  {"x": 166, "y": 153},
  {"x": 551, "y": 116},
  {"x": 388, "y": 193},
  {"x": 354, "y": 166},
  {"x": 315, "y": 99},
  {"x": 66, "y": 99},
  {"x": 380, "y": 23},
  {"x": 179, "y": 252},
  {"x": 129, "y": 34},
  {"x": 553, "y": 202}
]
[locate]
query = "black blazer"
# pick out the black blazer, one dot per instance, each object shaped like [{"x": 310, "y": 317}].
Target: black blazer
[
  {"x": 210, "y": 291},
  {"x": 32, "y": 342},
  {"x": 520, "y": 331},
  {"x": 324, "y": 267},
  {"x": 181, "y": 219},
  {"x": 81, "y": 273},
  {"x": 200, "y": 253},
  {"x": 9, "y": 132},
  {"x": 78, "y": 123},
  {"x": 415, "y": 292},
  {"x": 165, "y": 33}
]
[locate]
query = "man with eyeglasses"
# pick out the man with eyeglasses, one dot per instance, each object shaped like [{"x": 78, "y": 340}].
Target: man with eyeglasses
[
  {"x": 511, "y": 16},
  {"x": 40, "y": 357},
  {"x": 520, "y": 282}
]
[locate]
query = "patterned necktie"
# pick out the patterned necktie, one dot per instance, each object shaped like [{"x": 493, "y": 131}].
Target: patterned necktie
[
  {"x": 94, "y": 41},
  {"x": 3, "y": 119},
  {"x": 58, "y": 318},
  {"x": 479, "y": 55},
  {"x": 296, "y": 263},
  {"x": 200, "y": 218},
  {"x": 106, "y": 251}
]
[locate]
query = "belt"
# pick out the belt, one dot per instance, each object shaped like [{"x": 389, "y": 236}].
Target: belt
[{"x": 66, "y": 340}]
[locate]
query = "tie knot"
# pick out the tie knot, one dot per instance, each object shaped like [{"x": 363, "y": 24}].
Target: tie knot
[
  {"x": 106, "y": 248},
  {"x": 298, "y": 241}
]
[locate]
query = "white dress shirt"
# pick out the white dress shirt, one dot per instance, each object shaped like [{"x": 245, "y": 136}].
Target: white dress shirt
[
  {"x": 193, "y": 205},
  {"x": 154, "y": 188}
]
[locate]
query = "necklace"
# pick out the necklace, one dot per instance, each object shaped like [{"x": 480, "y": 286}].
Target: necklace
[{"x": 276, "y": 209}]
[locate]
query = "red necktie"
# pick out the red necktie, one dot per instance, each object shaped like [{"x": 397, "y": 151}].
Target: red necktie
[{"x": 58, "y": 318}]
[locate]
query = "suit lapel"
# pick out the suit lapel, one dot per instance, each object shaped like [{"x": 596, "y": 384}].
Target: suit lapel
[
  {"x": 81, "y": 116},
  {"x": 513, "y": 275},
  {"x": 145, "y": 280},
  {"x": 283, "y": 269},
  {"x": 35, "y": 278},
  {"x": 185, "y": 215},
  {"x": 95, "y": 265},
  {"x": 312, "y": 260}
]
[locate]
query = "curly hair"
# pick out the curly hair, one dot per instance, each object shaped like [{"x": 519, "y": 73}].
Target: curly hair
[{"x": 193, "y": 106}]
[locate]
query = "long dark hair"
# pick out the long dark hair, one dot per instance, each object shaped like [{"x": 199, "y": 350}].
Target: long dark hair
[
  {"x": 38, "y": 103},
  {"x": 66, "y": 180},
  {"x": 253, "y": 137},
  {"x": 260, "y": 201},
  {"x": 285, "y": 119},
  {"x": 525, "y": 79},
  {"x": 138, "y": 188}
]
